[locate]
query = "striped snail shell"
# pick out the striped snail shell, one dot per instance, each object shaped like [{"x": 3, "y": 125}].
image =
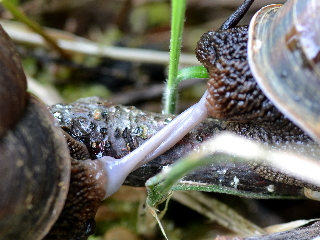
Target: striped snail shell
[{"x": 284, "y": 54}]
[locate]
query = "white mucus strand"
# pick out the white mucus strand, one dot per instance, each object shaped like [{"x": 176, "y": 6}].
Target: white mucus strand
[
  {"x": 270, "y": 188},
  {"x": 235, "y": 182}
]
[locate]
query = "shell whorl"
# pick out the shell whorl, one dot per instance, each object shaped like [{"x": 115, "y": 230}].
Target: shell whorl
[
  {"x": 13, "y": 84},
  {"x": 35, "y": 166}
]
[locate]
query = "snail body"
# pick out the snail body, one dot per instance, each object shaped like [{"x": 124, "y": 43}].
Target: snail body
[
  {"x": 51, "y": 186},
  {"x": 235, "y": 96},
  {"x": 263, "y": 75}
]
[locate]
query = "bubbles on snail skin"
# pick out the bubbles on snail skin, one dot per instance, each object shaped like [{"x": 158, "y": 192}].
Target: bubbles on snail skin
[
  {"x": 104, "y": 115},
  {"x": 165, "y": 169},
  {"x": 141, "y": 131},
  {"x": 222, "y": 172},
  {"x": 58, "y": 116},
  {"x": 103, "y": 131},
  {"x": 90, "y": 227},
  {"x": 96, "y": 149},
  {"x": 97, "y": 115},
  {"x": 199, "y": 138},
  {"x": 235, "y": 182},
  {"x": 113, "y": 109},
  {"x": 271, "y": 188},
  {"x": 167, "y": 120}
]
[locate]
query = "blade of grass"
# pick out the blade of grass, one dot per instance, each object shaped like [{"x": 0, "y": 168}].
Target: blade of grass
[
  {"x": 218, "y": 211},
  {"x": 217, "y": 150},
  {"x": 178, "y": 9}
]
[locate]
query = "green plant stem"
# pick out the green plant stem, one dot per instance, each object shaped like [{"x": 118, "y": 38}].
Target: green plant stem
[
  {"x": 34, "y": 26},
  {"x": 178, "y": 10},
  {"x": 160, "y": 186},
  {"x": 217, "y": 150}
]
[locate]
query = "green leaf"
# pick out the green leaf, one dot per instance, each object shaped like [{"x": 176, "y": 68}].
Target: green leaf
[{"x": 192, "y": 72}]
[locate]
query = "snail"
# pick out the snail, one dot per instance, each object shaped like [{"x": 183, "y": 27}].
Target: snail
[
  {"x": 246, "y": 94},
  {"x": 65, "y": 187},
  {"x": 35, "y": 163},
  {"x": 244, "y": 85},
  {"x": 259, "y": 75},
  {"x": 50, "y": 187}
]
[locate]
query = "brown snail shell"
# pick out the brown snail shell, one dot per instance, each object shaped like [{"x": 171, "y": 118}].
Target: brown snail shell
[
  {"x": 35, "y": 160},
  {"x": 12, "y": 80},
  {"x": 284, "y": 54},
  {"x": 35, "y": 175}
]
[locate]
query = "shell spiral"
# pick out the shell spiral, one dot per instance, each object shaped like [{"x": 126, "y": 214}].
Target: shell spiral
[{"x": 35, "y": 165}]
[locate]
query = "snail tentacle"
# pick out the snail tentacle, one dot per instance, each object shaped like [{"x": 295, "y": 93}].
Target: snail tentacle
[
  {"x": 118, "y": 169},
  {"x": 235, "y": 18}
]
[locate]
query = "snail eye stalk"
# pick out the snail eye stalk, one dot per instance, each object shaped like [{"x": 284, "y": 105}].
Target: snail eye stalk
[
  {"x": 235, "y": 18},
  {"x": 118, "y": 169}
]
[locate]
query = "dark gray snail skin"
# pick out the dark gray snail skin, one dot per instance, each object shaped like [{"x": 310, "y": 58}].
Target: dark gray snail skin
[
  {"x": 235, "y": 97},
  {"x": 233, "y": 92},
  {"x": 115, "y": 130}
]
